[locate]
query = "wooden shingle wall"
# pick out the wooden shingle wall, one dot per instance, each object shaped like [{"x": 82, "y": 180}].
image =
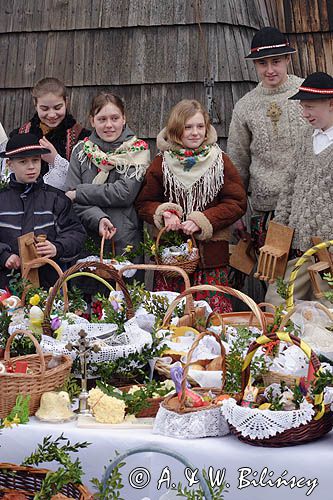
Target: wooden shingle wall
[{"x": 151, "y": 52}]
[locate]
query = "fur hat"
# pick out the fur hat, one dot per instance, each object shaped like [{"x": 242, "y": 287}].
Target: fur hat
[
  {"x": 318, "y": 85},
  {"x": 269, "y": 42},
  {"x": 23, "y": 146}
]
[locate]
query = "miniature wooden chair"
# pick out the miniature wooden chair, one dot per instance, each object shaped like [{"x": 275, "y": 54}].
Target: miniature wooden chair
[
  {"x": 28, "y": 252},
  {"x": 242, "y": 256},
  {"x": 273, "y": 256},
  {"x": 324, "y": 264}
]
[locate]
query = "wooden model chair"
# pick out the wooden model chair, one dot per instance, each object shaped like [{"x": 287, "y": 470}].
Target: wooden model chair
[
  {"x": 28, "y": 252},
  {"x": 324, "y": 264},
  {"x": 273, "y": 256}
]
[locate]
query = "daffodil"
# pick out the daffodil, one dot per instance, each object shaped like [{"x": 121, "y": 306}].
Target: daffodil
[
  {"x": 153, "y": 248},
  {"x": 128, "y": 248},
  {"x": 7, "y": 423},
  {"x": 16, "y": 419},
  {"x": 35, "y": 300}
]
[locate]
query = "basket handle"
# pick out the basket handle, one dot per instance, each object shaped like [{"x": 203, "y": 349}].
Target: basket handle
[
  {"x": 160, "y": 234},
  {"x": 188, "y": 363},
  {"x": 291, "y": 339},
  {"x": 189, "y": 306},
  {"x": 79, "y": 267},
  {"x": 224, "y": 289},
  {"x": 36, "y": 263},
  {"x": 101, "y": 252},
  {"x": 261, "y": 305},
  {"x": 304, "y": 258},
  {"x": 34, "y": 341}
]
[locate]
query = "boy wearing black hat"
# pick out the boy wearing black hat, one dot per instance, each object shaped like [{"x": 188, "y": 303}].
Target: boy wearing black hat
[
  {"x": 27, "y": 204},
  {"x": 264, "y": 123},
  {"x": 305, "y": 202}
]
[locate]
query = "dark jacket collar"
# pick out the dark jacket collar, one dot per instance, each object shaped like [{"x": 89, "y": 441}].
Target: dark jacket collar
[{"x": 20, "y": 187}]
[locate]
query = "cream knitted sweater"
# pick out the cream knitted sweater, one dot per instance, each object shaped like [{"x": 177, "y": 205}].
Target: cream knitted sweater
[
  {"x": 261, "y": 140},
  {"x": 305, "y": 203}
]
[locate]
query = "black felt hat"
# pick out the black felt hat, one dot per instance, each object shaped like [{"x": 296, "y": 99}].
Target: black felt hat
[
  {"x": 269, "y": 42},
  {"x": 22, "y": 146},
  {"x": 318, "y": 85}
]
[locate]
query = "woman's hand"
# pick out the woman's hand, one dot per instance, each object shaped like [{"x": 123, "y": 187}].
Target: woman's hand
[
  {"x": 13, "y": 262},
  {"x": 106, "y": 228},
  {"x": 171, "y": 221},
  {"x": 190, "y": 227},
  {"x": 71, "y": 195},
  {"x": 48, "y": 157},
  {"x": 46, "y": 249}
]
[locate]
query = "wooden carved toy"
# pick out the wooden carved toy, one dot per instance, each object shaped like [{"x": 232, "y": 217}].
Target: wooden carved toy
[
  {"x": 273, "y": 256},
  {"x": 324, "y": 265}
]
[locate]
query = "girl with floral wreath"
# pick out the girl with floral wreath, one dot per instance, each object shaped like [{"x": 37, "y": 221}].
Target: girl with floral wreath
[
  {"x": 105, "y": 175},
  {"x": 55, "y": 128},
  {"x": 193, "y": 186}
]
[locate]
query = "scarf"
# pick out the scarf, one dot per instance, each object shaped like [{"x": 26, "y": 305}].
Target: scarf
[
  {"x": 192, "y": 178},
  {"x": 121, "y": 155}
]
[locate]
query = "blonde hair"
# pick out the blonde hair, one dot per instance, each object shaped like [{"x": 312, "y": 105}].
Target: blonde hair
[
  {"x": 180, "y": 114},
  {"x": 49, "y": 85}
]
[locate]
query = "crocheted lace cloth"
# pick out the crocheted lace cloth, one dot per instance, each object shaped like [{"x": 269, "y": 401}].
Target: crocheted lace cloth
[
  {"x": 261, "y": 424},
  {"x": 204, "y": 423}
]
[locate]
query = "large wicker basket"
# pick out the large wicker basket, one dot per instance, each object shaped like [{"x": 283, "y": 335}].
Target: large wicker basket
[
  {"x": 42, "y": 379},
  {"x": 89, "y": 269},
  {"x": 260, "y": 317},
  {"x": 28, "y": 481},
  {"x": 189, "y": 265},
  {"x": 321, "y": 423}
]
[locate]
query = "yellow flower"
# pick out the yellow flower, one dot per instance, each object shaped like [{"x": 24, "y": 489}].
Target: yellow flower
[
  {"x": 128, "y": 248},
  {"x": 7, "y": 423},
  {"x": 16, "y": 419},
  {"x": 35, "y": 300},
  {"x": 153, "y": 248}
]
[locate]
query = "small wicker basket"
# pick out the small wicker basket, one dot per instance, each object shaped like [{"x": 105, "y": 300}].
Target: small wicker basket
[
  {"x": 189, "y": 265},
  {"x": 28, "y": 480},
  {"x": 42, "y": 379},
  {"x": 321, "y": 423},
  {"x": 173, "y": 403}
]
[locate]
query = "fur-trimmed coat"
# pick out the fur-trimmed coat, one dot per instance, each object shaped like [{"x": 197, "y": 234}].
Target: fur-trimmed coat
[{"x": 214, "y": 221}]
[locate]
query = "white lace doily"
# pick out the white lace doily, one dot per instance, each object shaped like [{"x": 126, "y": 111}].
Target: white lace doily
[
  {"x": 129, "y": 273},
  {"x": 261, "y": 424},
  {"x": 200, "y": 424},
  {"x": 133, "y": 339}
]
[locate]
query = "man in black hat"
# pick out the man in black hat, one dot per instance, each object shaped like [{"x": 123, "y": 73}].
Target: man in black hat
[
  {"x": 27, "y": 204},
  {"x": 263, "y": 129},
  {"x": 305, "y": 201}
]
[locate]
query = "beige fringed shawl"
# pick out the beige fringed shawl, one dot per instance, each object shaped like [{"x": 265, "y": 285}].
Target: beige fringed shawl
[
  {"x": 192, "y": 188},
  {"x": 131, "y": 153}
]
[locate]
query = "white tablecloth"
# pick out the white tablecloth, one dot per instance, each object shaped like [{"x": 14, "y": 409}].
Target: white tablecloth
[{"x": 309, "y": 461}]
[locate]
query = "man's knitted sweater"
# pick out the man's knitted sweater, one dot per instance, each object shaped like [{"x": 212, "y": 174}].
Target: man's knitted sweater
[
  {"x": 305, "y": 203},
  {"x": 261, "y": 141}
]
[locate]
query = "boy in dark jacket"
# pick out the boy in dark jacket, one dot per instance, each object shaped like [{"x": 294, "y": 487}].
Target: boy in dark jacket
[{"x": 27, "y": 204}]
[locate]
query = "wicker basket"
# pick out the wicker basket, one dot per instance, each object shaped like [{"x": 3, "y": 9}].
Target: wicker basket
[
  {"x": 86, "y": 269},
  {"x": 320, "y": 424},
  {"x": 42, "y": 379},
  {"x": 28, "y": 481},
  {"x": 302, "y": 260},
  {"x": 243, "y": 318},
  {"x": 173, "y": 403},
  {"x": 260, "y": 317},
  {"x": 188, "y": 266}
]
